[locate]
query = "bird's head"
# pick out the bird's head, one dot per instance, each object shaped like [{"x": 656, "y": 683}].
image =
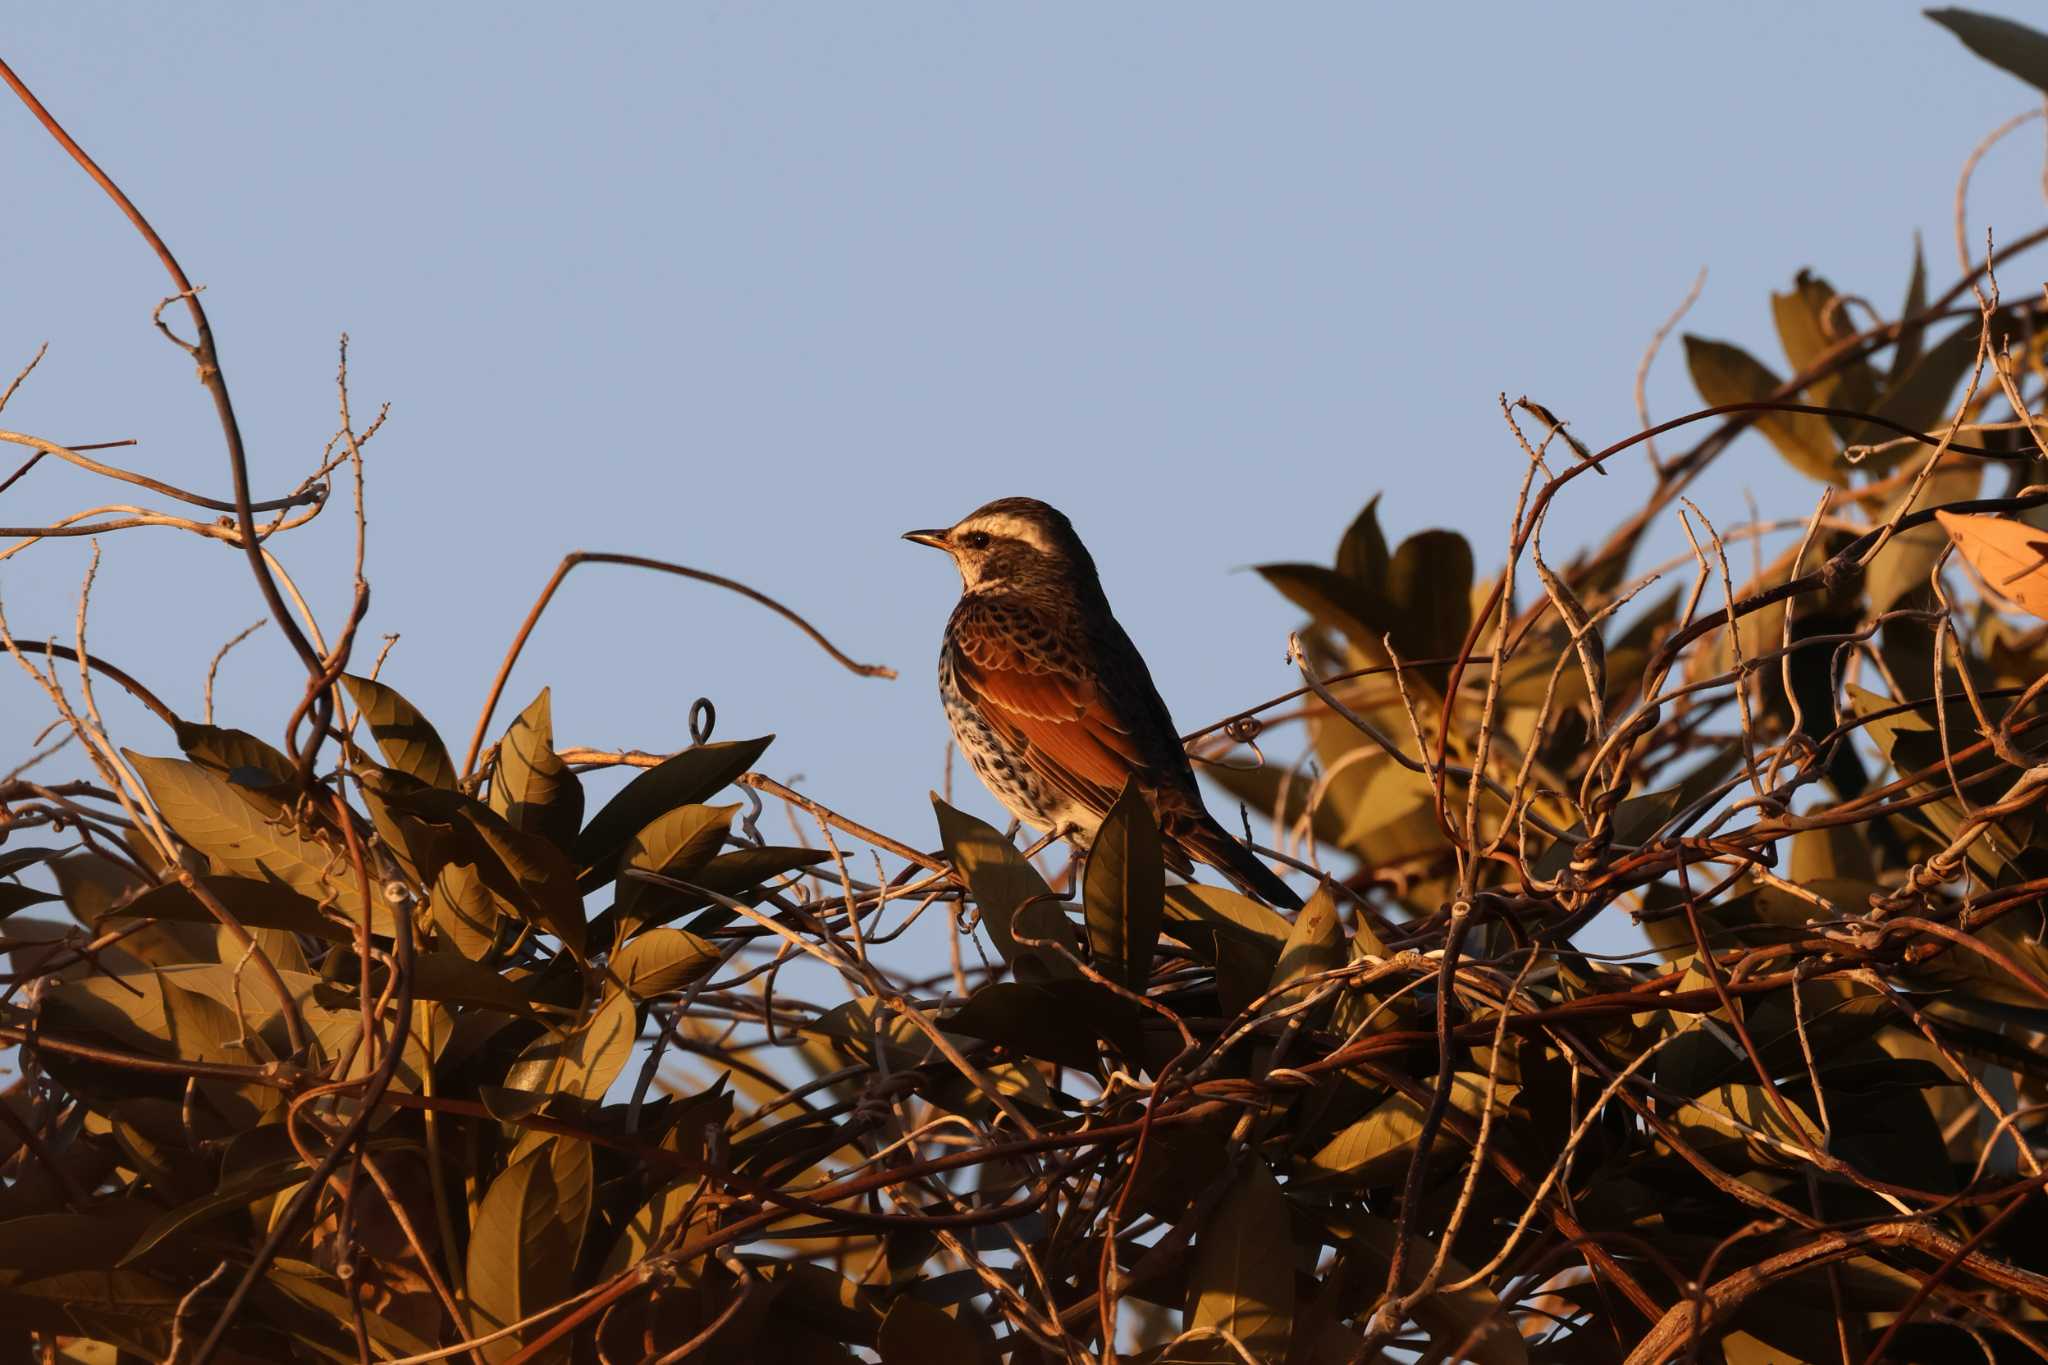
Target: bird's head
[{"x": 1011, "y": 542}]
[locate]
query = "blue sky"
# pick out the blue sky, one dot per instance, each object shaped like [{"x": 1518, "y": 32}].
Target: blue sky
[{"x": 757, "y": 287}]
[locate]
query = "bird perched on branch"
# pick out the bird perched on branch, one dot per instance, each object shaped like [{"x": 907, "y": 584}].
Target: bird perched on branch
[{"x": 1051, "y": 701}]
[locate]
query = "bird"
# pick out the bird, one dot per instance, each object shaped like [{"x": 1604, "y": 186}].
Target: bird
[{"x": 1053, "y": 704}]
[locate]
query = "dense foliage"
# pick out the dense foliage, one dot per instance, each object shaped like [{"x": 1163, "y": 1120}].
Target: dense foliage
[{"x": 345, "y": 1049}]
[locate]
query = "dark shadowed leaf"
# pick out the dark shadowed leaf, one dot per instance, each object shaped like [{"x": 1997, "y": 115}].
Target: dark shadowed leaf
[
  {"x": 1057, "y": 1021},
  {"x": 532, "y": 788},
  {"x": 1430, "y": 582},
  {"x": 916, "y": 1333},
  {"x": 998, "y": 877},
  {"x": 1242, "y": 1280},
  {"x": 736, "y": 874},
  {"x": 257, "y": 904},
  {"x": 14, "y": 896},
  {"x": 444, "y": 975},
  {"x": 1124, "y": 888},
  {"x": 527, "y": 876},
  {"x": 1913, "y": 339},
  {"x": 689, "y": 778},
  {"x": 403, "y": 735},
  {"x": 1332, "y": 600},
  {"x": 1471, "y": 1323},
  {"x": 1925, "y": 395},
  {"x": 1362, "y": 553},
  {"x": 2007, "y": 45},
  {"x": 234, "y": 753}
]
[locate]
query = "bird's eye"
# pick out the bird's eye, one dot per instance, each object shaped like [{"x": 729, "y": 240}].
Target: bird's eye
[{"x": 975, "y": 540}]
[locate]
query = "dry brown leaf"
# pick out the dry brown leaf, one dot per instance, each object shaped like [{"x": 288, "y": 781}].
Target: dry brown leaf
[{"x": 2010, "y": 556}]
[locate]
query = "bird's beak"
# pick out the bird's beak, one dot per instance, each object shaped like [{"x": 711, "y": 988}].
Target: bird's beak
[{"x": 935, "y": 539}]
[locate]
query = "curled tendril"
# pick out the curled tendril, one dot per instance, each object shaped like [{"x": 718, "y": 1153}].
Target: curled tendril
[{"x": 703, "y": 720}]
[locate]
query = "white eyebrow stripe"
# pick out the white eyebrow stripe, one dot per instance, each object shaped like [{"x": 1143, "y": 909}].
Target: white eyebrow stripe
[{"x": 1008, "y": 527}]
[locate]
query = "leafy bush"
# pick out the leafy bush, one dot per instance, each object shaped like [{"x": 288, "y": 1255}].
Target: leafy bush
[{"x": 348, "y": 1050}]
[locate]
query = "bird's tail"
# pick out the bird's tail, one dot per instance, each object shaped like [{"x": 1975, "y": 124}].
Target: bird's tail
[{"x": 1210, "y": 842}]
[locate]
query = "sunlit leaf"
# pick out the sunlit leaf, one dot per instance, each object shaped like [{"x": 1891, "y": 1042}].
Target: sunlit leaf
[
  {"x": 588, "y": 1060},
  {"x": 1728, "y": 374},
  {"x": 2010, "y": 555},
  {"x": 1242, "y": 1280},
  {"x": 532, "y": 788},
  {"x": 403, "y": 735},
  {"x": 1812, "y": 321},
  {"x": 225, "y": 822},
  {"x": 662, "y": 960},
  {"x": 522, "y": 1249}
]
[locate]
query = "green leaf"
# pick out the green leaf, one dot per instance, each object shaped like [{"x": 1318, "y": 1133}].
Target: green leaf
[
  {"x": 1124, "y": 890},
  {"x": 688, "y": 778},
  {"x": 587, "y": 1060},
  {"x": 522, "y": 1249},
  {"x": 662, "y": 960},
  {"x": 678, "y": 844},
  {"x": 237, "y": 829},
  {"x": 532, "y": 788},
  {"x": 403, "y": 735},
  {"x": 1728, "y": 374},
  {"x": 2007, "y": 45},
  {"x": 1242, "y": 1280}
]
